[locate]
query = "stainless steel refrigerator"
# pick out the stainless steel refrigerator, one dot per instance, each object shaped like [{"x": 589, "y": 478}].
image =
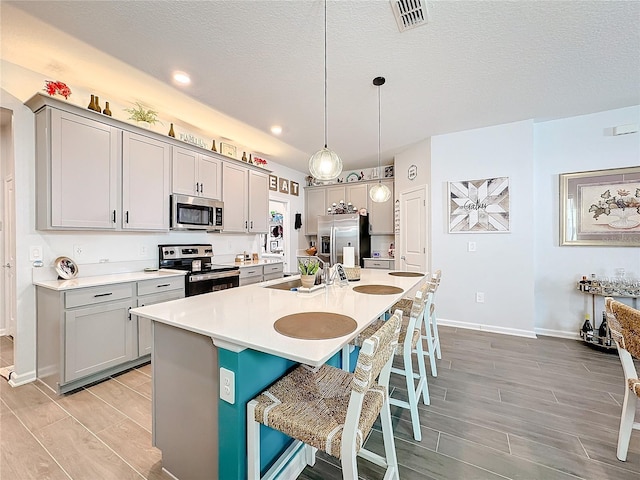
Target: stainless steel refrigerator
[{"x": 338, "y": 231}]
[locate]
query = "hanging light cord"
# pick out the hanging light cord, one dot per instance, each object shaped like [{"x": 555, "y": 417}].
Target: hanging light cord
[
  {"x": 325, "y": 73},
  {"x": 379, "y": 115}
]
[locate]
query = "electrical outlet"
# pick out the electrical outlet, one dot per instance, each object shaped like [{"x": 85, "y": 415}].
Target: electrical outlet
[
  {"x": 35, "y": 253},
  {"x": 227, "y": 385},
  {"x": 479, "y": 297},
  {"x": 471, "y": 247},
  {"x": 77, "y": 251},
  {"x": 143, "y": 250}
]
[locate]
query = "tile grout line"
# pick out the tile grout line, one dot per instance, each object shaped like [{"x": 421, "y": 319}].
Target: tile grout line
[
  {"x": 37, "y": 439},
  {"x": 93, "y": 433}
]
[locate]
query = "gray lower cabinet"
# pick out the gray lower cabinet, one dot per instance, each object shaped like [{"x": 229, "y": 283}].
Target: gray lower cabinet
[
  {"x": 87, "y": 334},
  {"x": 260, "y": 273},
  {"x": 151, "y": 292},
  {"x": 97, "y": 338},
  {"x": 381, "y": 263},
  {"x": 272, "y": 271}
]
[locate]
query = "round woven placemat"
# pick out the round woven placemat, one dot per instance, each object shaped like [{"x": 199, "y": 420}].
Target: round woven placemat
[
  {"x": 406, "y": 274},
  {"x": 377, "y": 289},
  {"x": 315, "y": 325}
]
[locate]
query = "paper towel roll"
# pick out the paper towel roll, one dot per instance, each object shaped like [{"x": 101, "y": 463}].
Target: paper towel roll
[{"x": 348, "y": 256}]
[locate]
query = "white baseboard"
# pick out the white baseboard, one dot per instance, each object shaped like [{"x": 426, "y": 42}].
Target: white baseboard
[
  {"x": 558, "y": 333},
  {"x": 487, "y": 328},
  {"x": 22, "y": 379}
]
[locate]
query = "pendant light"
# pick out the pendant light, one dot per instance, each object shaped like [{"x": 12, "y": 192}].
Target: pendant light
[
  {"x": 325, "y": 164},
  {"x": 379, "y": 193}
]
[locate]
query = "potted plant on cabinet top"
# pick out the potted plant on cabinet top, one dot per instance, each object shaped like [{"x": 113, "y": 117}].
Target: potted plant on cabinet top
[
  {"x": 308, "y": 268},
  {"x": 143, "y": 116}
]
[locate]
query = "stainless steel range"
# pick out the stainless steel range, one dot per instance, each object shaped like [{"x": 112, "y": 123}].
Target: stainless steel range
[{"x": 203, "y": 276}]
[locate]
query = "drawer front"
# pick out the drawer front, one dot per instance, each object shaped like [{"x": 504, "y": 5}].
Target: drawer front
[
  {"x": 272, "y": 276},
  {"x": 159, "y": 285},
  {"x": 273, "y": 268},
  {"x": 383, "y": 264},
  {"x": 255, "y": 271},
  {"x": 95, "y": 295}
]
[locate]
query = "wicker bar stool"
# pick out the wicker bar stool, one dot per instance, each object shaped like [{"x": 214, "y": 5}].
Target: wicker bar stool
[
  {"x": 408, "y": 344},
  {"x": 624, "y": 323},
  {"x": 430, "y": 339},
  {"x": 433, "y": 340},
  {"x": 330, "y": 409}
]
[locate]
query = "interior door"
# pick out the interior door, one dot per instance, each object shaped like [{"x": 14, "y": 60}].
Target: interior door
[
  {"x": 413, "y": 230},
  {"x": 9, "y": 257}
]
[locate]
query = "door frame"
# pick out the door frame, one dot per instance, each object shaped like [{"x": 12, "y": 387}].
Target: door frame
[
  {"x": 404, "y": 224},
  {"x": 286, "y": 223},
  {"x": 8, "y": 302}
]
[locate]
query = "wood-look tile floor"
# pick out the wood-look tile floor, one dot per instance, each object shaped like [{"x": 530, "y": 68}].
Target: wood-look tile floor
[{"x": 501, "y": 407}]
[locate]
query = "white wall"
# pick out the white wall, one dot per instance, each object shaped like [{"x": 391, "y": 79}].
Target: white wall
[
  {"x": 502, "y": 267},
  {"x": 573, "y": 145},
  {"x": 295, "y": 237},
  {"x": 420, "y": 156}
]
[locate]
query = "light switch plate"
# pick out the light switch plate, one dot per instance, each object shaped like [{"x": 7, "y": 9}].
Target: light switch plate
[
  {"x": 227, "y": 385},
  {"x": 471, "y": 247}
]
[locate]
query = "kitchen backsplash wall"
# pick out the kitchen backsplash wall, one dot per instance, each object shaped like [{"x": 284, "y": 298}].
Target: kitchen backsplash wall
[{"x": 96, "y": 247}]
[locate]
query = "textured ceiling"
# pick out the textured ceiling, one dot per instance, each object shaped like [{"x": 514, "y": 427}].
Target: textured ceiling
[{"x": 259, "y": 63}]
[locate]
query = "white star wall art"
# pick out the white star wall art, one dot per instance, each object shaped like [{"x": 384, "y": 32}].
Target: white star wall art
[{"x": 479, "y": 206}]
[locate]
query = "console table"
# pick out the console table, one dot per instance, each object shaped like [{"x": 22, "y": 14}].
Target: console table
[{"x": 598, "y": 293}]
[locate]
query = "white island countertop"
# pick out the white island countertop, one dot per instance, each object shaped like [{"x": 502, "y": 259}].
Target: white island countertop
[
  {"x": 240, "y": 318},
  {"x": 109, "y": 279}
]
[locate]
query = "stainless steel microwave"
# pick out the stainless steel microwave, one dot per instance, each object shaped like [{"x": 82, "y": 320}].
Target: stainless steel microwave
[{"x": 195, "y": 213}]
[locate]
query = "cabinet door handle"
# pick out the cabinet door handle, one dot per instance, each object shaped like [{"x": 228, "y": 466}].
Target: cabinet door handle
[
  {"x": 246, "y": 224},
  {"x": 201, "y": 188},
  {"x": 251, "y": 223},
  {"x": 103, "y": 294},
  {"x": 126, "y": 217},
  {"x": 163, "y": 285},
  {"x": 197, "y": 190},
  {"x": 129, "y": 311},
  {"x": 114, "y": 216}
]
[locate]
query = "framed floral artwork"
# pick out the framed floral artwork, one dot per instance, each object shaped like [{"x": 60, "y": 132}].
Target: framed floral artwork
[
  {"x": 479, "y": 206},
  {"x": 600, "y": 207}
]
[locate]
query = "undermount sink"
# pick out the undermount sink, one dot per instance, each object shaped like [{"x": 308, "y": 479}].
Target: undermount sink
[{"x": 288, "y": 285}]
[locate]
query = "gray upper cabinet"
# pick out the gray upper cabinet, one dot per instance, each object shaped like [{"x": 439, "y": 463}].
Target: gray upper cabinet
[
  {"x": 319, "y": 199},
  {"x": 92, "y": 175},
  {"x": 77, "y": 170},
  {"x": 245, "y": 193},
  {"x": 145, "y": 183},
  {"x": 381, "y": 220},
  {"x": 314, "y": 205},
  {"x": 196, "y": 174}
]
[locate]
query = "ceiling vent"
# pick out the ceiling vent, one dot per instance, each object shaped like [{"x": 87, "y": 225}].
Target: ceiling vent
[{"x": 410, "y": 13}]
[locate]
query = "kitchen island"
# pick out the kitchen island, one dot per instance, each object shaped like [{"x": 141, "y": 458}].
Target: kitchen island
[{"x": 223, "y": 344}]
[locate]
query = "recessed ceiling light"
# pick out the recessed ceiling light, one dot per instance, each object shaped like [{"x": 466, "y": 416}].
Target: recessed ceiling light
[
  {"x": 182, "y": 78},
  {"x": 276, "y": 129}
]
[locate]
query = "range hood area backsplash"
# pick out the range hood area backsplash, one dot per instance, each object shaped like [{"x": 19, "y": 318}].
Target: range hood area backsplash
[{"x": 103, "y": 252}]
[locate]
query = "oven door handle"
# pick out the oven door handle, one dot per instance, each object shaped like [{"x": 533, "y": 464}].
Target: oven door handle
[{"x": 214, "y": 276}]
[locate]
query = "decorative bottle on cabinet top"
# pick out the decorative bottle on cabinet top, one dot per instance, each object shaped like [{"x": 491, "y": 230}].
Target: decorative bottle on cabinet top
[
  {"x": 171, "y": 132},
  {"x": 107, "y": 110}
]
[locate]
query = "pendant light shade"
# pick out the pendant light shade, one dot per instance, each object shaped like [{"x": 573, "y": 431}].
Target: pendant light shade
[
  {"x": 325, "y": 164},
  {"x": 379, "y": 193}
]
